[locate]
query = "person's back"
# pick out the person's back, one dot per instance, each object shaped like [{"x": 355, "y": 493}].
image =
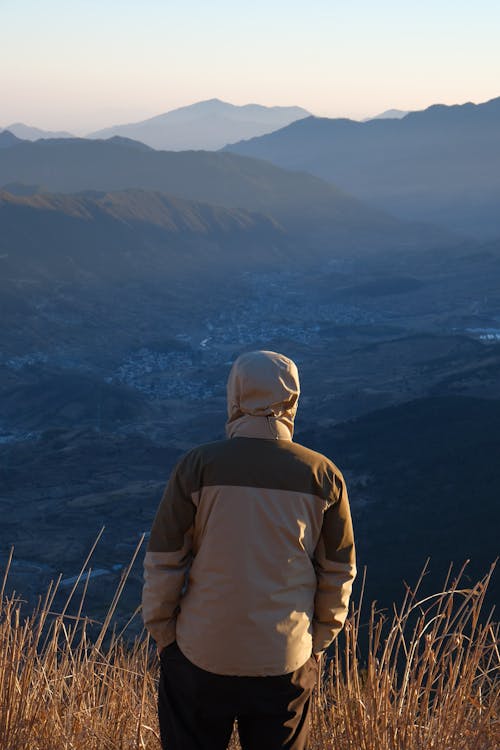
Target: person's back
[{"x": 250, "y": 561}]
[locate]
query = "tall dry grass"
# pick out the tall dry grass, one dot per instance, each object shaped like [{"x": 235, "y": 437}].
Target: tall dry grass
[{"x": 429, "y": 678}]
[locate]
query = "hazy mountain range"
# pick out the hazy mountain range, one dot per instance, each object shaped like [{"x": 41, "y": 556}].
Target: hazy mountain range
[
  {"x": 30, "y": 133},
  {"x": 311, "y": 210},
  {"x": 441, "y": 164},
  {"x": 208, "y": 125},
  {"x": 205, "y": 125}
]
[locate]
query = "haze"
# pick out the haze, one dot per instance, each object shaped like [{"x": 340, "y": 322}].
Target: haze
[{"x": 84, "y": 65}]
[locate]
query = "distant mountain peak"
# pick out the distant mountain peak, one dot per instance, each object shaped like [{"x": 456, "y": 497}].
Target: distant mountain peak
[
  {"x": 213, "y": 100},
  {"x": 389, "y": 114},
  {"x": 207, "y": 125},
  {"x": 30, "y": 133}
]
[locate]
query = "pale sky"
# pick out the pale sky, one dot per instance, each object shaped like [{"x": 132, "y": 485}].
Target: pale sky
[{"x": 80, "y": 65}]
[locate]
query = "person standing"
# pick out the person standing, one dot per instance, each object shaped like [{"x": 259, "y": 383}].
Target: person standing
[{"x": 248, "y": 572}]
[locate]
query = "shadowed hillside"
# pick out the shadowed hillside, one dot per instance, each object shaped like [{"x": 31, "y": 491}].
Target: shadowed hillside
[
  {"x": 425, "y": 478},
  {"x": 110, "y": 235}
]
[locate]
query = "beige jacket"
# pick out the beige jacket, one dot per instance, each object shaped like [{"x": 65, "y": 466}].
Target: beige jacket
[{"x": 250, "y": 561}]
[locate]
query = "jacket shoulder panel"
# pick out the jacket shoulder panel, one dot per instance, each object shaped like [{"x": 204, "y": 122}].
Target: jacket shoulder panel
[{"x": 259, "y": 462}]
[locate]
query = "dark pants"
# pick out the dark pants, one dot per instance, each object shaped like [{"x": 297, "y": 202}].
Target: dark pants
[{"x": 197, "y": 708}]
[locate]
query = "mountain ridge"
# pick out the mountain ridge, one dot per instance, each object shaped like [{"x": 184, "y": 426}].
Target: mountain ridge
[
  {"x": 208, "y": 124},
  {"x": 125, "y": 235},
  {"x": 440, "y": 164},
  {"x": 169, "y": 212},
  {"x": 388, "y": 114},
  {"x": 31, "y": 133},
  {"x": 300, "y": 202}
]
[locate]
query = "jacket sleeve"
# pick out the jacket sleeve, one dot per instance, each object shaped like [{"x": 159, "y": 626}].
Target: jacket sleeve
[
  {"x": 168, "y": 557},
  {"x": 335, "y": 564}
]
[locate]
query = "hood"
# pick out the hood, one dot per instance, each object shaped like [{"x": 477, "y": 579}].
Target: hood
[{"x": 262, "y": 396}]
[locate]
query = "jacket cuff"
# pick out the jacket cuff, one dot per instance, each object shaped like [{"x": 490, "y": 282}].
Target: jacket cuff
[{"x": 323, "y": 636}]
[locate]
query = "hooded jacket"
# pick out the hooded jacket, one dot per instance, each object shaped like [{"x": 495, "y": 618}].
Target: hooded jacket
[{"x": 250, "y": 560}]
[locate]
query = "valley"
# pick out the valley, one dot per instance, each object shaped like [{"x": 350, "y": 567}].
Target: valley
[{"x": 92, "y": 421}]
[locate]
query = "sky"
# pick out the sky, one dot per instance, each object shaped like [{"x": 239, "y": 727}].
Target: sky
[{"x": 80, "y": 65}]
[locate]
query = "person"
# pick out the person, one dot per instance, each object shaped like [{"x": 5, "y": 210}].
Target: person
[{"x": 248, "y": 572}]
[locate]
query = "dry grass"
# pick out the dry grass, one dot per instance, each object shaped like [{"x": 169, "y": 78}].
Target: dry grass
[{"x": 429, "y": 679}]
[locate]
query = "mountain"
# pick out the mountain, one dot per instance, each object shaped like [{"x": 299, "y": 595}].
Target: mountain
[
  {"x": 441, "y": 164},
  {"x": 98, "y": 237},
  {"x": 29, "y": 133},
  {"x": 8, "y": 139},
  {"x": 389, "y": 114},
  {"x": 309, "y": 207},
  {"x": 205, "y": 125}
]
